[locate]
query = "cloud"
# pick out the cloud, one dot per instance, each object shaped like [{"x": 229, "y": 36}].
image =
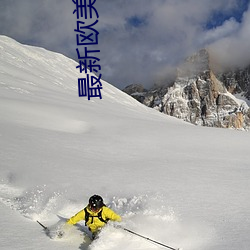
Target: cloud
[
  {"x": 47, "y": 23},
  {"x": 233, "y": 49},
  {"x": 171, "y": 31},
  {"x": 140, "y": 41},
  {"x": 228, "y": 28}
]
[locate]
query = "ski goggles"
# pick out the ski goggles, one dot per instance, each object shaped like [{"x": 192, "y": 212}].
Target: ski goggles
[{"x": 94, "y": 208}]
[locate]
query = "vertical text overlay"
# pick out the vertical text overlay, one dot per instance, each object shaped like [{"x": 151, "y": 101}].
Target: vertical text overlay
[{"x": 86, "y": 35}]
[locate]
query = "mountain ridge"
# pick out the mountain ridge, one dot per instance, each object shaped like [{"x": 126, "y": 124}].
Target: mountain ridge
[{"x": 200, "y": 95}]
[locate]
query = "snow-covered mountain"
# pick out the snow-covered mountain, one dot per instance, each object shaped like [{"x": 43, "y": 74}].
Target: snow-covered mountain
[
  {"x": 182, "y": 185},
  {"x": 201, "y": 96}
]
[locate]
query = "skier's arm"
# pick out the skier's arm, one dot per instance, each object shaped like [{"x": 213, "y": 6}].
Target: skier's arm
[
  {"x": 77, "y": 217},
  {"x": 110, "y": 214}
]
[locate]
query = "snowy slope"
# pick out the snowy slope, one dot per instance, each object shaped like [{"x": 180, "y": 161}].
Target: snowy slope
[{"x": 179, "y": 184}]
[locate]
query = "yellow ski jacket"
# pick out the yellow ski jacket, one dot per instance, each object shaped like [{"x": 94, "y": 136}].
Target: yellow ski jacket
[{"x": 94, "y": 223}]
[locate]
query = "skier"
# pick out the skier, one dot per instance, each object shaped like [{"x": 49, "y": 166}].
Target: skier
[{"x": 95, "y": 214}]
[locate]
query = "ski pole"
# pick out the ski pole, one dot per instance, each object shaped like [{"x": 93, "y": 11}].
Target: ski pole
[
  {"x": 146, "y": 238},
  {"x": 45, "y": 228}
]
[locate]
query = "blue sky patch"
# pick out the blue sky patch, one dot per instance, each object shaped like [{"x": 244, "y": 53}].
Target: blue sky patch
[
  {"x": 219, "y": 17},
  {"x": 136, "y": 21}
]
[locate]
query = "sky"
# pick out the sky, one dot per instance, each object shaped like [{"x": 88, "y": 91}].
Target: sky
[{"x": 140, "y": 41}]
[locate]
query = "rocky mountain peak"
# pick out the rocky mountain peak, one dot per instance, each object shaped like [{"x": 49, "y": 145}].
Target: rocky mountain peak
[
  {"x": 202, "y": 97},
  {"x": 196, "y": 64}
]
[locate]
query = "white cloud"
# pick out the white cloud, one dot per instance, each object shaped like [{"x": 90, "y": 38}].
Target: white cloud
[
  {"x": 228, "y": 28},
  {"x": 170, "y": 30},
  {"x": 233, "y": 50}
]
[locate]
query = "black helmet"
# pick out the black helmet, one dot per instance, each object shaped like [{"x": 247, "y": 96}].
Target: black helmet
[{"x": 96, "y": 202}]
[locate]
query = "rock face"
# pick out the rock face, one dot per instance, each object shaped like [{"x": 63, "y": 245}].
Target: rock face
[
  {"x": 137, "y": 91},
  {"x": 237, "y": 81},
  {"x": 202, "y": 98}
]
